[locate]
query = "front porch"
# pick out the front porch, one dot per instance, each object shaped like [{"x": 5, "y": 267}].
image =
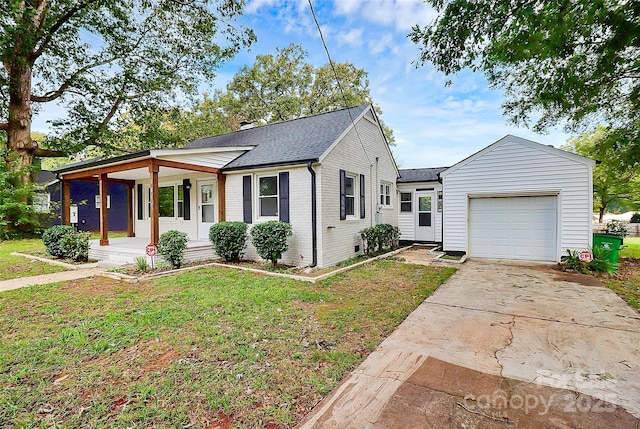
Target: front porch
[{"x": 125, "y": 250}]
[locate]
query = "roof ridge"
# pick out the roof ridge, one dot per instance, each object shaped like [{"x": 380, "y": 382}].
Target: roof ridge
[{"x": 284, "y": 121}]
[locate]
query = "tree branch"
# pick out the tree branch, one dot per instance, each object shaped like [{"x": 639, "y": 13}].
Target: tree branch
[
  {"x": 56, "y": 26},
  {"x": 4, "y": 125},
  {"x": 46, "y": 153},
  {"x": 52, "y": 95}
]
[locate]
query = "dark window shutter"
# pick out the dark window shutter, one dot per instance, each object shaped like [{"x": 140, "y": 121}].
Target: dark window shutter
[
  {"x": 186, "y": 198},
  {"x": 343, "y": 195},
  {"x": 284, "y": 196},
  {"x": 140, "y": 196},
  {"x": 246, "y": 199},
  {"x": 362, "y": 198}
]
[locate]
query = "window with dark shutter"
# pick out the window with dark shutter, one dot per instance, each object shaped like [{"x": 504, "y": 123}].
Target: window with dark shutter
[
  {"x": 343, "y": 195},
  {"x": 246, "y": 199},
  {"x": 362, "y": 198},
  {"x": 284, "y": 196},
  {"x": 140, "y": 198},
  {"x": 186, "y": 199}
]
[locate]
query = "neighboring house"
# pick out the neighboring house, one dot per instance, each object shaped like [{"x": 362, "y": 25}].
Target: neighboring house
[
  {"x": 323, "y": 174},
  {"x": 420, "y": 205},
  {"x": 517, "y": 199},
  {"x": 85, "y": 197}
]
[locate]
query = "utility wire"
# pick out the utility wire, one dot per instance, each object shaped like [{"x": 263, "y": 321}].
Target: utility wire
[{"x": 335, "y": 74}]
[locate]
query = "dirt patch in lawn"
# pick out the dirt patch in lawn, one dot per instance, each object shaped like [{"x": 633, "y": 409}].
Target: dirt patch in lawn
[{"x": 98, "y": 286}]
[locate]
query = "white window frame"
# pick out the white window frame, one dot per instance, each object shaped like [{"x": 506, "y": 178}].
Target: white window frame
[
  {"x": 386, "y": 190},
  {"x": 175, "y": 200},
  {"x": 42, "y": 202},
  {"x": 97, "y": 201},
  {"x": 260, "y": 197},
  {"x": 355, "y": 200},
  {"x": 410, "y": 202}
]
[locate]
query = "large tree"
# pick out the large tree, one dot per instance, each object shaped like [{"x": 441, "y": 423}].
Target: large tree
[
  {"x": 613, "y": 183},
  {"x": 100, "y": 58},
  {"x": 575, "y": 62},
  {"x": 284, "y": 86}
]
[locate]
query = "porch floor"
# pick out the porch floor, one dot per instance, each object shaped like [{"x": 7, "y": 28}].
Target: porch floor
[{"x": 125, "y": 250}]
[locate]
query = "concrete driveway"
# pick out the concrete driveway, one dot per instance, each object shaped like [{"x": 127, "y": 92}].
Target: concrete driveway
[{"x": 500, "y": 345}]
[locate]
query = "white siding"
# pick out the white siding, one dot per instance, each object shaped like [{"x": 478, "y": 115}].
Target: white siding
[
  {"x": 513, "y": 167},
  {"x": 407, "y": 221},
  {"x": 300, "y": 251},
  {"x": 213, "y": 159},
  {"x": 338, "y": 238}
]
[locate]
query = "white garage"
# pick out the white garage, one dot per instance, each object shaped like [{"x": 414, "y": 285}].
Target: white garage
[
  {"x": 513, "y": 228},
  {"x": 517, "y": 199}
]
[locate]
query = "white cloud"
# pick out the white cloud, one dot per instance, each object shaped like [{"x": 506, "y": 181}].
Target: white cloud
[
  {"x": 382, "y": 44},
  {"x": 401, "y": 14},
  {"x": 352, "y": 37},
  {"x": 254, "y": 5},
  {"x": 347, "y": 7}
]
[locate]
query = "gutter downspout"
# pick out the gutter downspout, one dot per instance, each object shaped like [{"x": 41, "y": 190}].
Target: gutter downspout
[{"x": 314, "y": 217}]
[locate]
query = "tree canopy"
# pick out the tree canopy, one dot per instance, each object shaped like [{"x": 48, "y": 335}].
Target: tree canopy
[
  {"x": 613, "y": 183},
  {"x": 100, "y": 58},
  {"x": 575, "y": 63},
  {"x": 284, "y": 86}
]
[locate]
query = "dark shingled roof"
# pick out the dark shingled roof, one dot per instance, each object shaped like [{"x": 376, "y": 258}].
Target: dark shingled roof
[
  {"x": 411, "y": 175},
  {"x": 281, "y": 143},
  {"x": 44, "y": 177}
]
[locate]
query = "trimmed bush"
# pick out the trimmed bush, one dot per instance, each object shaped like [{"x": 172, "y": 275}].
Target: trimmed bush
[
  {"x": 635, "y": 218},
  {"x": 229, "y": 239},
  {"x": 75, "y": 246},
  {"x": 616, "y": 227},
  {"x": 172, "y": 245},
  {"x": 378, "y": 237},
  {"x": 52, "y": 239},
  {"x": 270, "y": 239}
]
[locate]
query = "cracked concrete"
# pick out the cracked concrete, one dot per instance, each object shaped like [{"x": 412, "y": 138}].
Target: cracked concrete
[{"x": 564, "y": 342}]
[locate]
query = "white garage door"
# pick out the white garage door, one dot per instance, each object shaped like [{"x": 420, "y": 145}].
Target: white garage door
[{"x": 513, "y": 228}]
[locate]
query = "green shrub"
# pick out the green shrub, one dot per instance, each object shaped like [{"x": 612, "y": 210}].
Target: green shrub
[
  {"x": 370, "y": 239},
  {"x": 389, "y": 235},
  {"x": 172, "y": 245},
  {"x": 229, "y": 239},
  {"x": 616, "y": 227},
  {"x": 141, "y": 262},
  {"x": 270, "y": 239},
  {"x": 599, "y": 263},
  {"x": 52, "y": 239},
  {"x": 378, "y": 237},
  {"x": 635, "y": 218},
  {"x": 75, "y": 246}
]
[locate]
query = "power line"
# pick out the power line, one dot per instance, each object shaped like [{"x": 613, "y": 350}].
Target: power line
[{"x": 335, "y": 74}]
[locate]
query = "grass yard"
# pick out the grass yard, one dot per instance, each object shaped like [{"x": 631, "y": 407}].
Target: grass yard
[
  {"x": 631, "y": 248},
  {"x": 12, "y": 267},
  {"x": 626, "y": 281},
  {"x": 207, "y": 348}
]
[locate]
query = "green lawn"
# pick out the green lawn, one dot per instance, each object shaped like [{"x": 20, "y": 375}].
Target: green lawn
[
  {"x": 12, "y": 267},
  {"x": 626, "y": 281},
  {"x": 631, "y": 248},
  {"x": 207, "y": 347}
]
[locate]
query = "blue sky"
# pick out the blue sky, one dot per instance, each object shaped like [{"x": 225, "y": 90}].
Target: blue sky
[{"x": 433, "y": 125}]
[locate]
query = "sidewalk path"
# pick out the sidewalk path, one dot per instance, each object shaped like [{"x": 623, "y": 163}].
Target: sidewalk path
[{"x": 49, "y": 278}]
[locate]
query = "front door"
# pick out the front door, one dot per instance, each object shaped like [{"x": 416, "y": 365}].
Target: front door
[
  {"x": 206, "y": 208},
  {"x": 425, "y": 230}
]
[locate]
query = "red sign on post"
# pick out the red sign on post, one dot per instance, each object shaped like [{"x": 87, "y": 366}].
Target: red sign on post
[
  {"x": 151, "y": 249},
  {"x": 586, "y": 256}
]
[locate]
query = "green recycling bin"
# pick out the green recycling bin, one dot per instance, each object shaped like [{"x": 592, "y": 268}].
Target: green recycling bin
[{"x": 609, "y": 242}]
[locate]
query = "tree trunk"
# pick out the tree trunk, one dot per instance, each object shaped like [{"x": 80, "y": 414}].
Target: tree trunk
[
  {"x": 21, "y": 146},
  {"x": 601, "y": 218}
]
